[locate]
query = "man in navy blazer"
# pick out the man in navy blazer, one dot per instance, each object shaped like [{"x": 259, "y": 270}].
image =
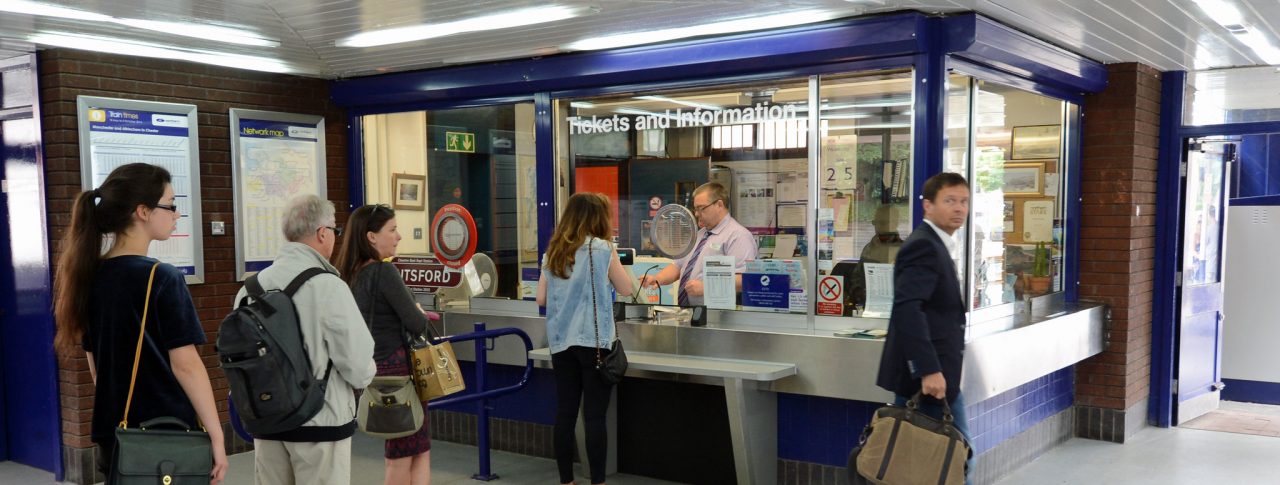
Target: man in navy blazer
[{"x": 924, "y": 351}]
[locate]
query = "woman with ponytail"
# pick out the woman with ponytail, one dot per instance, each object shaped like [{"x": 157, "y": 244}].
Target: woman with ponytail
[
  {"x": 99, "y": 304},
  {"x": 578, "y": 272}
]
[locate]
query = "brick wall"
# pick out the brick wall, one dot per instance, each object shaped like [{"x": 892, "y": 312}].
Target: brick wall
[
  {"x": 65, "y": 74},
  {"x": 1117, "y": 256}
]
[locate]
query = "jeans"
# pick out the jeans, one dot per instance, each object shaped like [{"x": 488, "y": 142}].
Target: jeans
[
  {"x": 577, "y": 381},
  {"x": 933, "y": 408}
]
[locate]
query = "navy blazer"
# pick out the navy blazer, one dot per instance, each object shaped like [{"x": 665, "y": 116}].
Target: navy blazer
[{"x": 926, "y": 328}]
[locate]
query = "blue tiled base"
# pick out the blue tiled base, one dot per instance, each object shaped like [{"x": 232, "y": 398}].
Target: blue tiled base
[{"x": 1240, "y": 390}]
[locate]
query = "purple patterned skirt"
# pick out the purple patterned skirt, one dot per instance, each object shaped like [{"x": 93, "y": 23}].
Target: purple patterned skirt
[{"x": 414, "y": 444}]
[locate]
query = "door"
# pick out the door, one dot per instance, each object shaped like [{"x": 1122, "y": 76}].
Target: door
[
  {"x": 30, "y": 381},
  {"x": 1200, "y": 316}
]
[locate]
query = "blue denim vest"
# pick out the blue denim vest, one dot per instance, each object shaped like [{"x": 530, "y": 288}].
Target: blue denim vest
[{"x": 568, "y": 300}]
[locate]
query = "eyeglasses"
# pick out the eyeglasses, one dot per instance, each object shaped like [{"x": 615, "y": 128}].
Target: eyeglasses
[
  {"x": 337, "y": 231},
  {"x": 169, "y": 207},
  {"x": 699, "y": 208}
]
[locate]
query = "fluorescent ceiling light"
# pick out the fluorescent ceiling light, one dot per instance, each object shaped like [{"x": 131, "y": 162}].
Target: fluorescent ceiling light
[
  {"x": 691, "y": 104},
  {"x": 186, "y": 29},
  {"x": 518, "y": 18},
  {"x": 145, "y": 49},
  {"x": 581, "y": 104},
  {"x": 640, "y": 112},
  {"x": 1260, "y": 44},
  {"x": 33, "y": 8},
  {"x": 1222, "y": 12},
  {"x": 726, "y": 27},
  {"x": 1228, "y": 16}
]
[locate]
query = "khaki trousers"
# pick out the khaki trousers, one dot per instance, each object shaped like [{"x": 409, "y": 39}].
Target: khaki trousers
[{"x": 287, "y": 463}]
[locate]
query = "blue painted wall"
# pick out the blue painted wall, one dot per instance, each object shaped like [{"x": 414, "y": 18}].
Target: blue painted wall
[
  {"x": 811, "y": 428},
  {"x": 536, "y": 403},
  {"x": 824, "y": 430},
  {"x": 1259, "y": 169}
]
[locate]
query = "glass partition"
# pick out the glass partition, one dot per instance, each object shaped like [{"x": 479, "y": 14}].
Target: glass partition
[
  {"x": 1016, "y": 226},
  {"x": 865, "y": 169},
  {"x": 647, "y": 150},
  {"x": 480, "y": 158}
]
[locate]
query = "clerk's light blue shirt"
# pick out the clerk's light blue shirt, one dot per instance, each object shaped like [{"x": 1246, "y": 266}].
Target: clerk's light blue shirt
[{"x": 569, "y": 316}]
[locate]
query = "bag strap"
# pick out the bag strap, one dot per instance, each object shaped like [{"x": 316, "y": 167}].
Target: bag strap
[
  {"x": 137, "y": 354},
  {"x": 595, "y": 318},
  {"x": 253, "y": 287},
  {"x": 302, "y": 278}
]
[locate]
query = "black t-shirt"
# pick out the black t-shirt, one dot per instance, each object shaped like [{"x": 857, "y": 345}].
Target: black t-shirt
[{"x": 111, "y": 334}]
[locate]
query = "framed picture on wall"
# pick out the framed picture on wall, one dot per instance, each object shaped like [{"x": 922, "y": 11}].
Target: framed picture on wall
[
  {"x": 1042, "y": 141},
  {"x": 1023, "y": 179},
  {"x": 410, "y": 191}
]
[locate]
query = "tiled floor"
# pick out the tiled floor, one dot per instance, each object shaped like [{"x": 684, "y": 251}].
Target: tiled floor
[
  {"x": 1153, "y": 456},
  {"x": 1172, "y": 456},
  {"x": 1243, "y": 418}
]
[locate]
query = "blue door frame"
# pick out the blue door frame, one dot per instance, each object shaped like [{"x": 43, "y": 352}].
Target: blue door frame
[
  {"x": 989, "y": 49},
  {"x": 31, "y": 408},
  {"x": 1169, "y": 200}
]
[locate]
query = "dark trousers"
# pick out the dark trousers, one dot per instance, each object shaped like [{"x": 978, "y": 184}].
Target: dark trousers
[{"x": 578, "y": 383}]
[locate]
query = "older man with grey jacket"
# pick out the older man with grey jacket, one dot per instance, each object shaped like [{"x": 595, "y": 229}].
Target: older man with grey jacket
[{"x": 319, "y": 452}]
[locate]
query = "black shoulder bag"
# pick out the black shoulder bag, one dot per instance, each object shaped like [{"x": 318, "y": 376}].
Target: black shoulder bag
[
  {"x": 145, "y": 455},
  {"x": 612, "y": 365}
]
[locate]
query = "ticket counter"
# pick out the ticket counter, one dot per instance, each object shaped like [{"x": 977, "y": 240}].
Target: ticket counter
[{"x": 821, "y": 137}]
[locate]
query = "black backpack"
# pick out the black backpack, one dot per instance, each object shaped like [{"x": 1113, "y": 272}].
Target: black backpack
[{"x": 266, "y": 361}]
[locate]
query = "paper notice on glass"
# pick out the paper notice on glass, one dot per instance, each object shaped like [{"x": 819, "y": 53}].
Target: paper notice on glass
[
  {"x": 754, "y": 204},
  {"x": 844, "y": 248},
  {"x": 792, "y": 188},
  {"x": 784, "y": 246},
  {"x": 718, "y": 286},
  {"x": 841, "y": 207},
  {"x": 1037, "y": 220},
  {"x": 879, "y": 290},
  {"x": 1051, "y": 185},
  {"x": 791, "y": 215}
]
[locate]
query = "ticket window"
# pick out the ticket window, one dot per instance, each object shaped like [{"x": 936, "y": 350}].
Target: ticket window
[
  {"x": 864, "y": 213},
  {"x": 1016, "y": 167},
  {"x": 481, "y": 158},
  {"x": 647, "y": 150}
]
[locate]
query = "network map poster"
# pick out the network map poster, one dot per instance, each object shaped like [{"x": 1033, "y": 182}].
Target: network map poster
[{"x": 274, "y": 157}]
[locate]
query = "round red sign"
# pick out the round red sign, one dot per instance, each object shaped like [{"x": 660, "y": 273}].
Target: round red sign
[{"x": 453, "y": 235}]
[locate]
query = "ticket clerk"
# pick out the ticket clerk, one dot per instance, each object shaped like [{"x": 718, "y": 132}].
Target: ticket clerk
[{"x": 718, "y": 235}]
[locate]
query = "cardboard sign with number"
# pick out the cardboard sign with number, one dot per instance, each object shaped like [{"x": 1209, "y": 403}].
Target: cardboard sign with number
[{"x": 831, "y": 295}]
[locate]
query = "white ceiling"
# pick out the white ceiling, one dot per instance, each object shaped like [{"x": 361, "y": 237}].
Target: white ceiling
[{"x": 1167, "y": 34}]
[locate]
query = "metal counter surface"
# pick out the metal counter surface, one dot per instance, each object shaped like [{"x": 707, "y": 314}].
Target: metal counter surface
[{"x": 1003, "y": 353}]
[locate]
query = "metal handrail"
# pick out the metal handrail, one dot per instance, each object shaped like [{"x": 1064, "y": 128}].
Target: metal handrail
[{"x": 481, "y": 333}]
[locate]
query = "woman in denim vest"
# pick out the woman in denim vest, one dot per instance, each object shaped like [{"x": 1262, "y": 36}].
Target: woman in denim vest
[{"x": 579, "y": 270}]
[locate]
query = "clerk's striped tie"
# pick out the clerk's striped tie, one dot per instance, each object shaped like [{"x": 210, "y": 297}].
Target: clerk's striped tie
[{"x": 688, "y": 270}]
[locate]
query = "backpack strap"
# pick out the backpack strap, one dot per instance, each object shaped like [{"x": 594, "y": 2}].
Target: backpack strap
[
  {"x": 254, "y": 288},
  {"x": 302, "y": 278}
]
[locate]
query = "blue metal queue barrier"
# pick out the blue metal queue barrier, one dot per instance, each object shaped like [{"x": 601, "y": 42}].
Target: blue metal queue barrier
[{"x": 483, "y": 343}]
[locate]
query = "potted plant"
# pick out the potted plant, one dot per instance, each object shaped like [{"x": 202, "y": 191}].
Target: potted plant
[{"x": 1039, "y": 281}]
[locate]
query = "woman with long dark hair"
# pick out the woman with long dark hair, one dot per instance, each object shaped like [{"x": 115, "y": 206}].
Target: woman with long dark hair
[
  {"x": 99, "y": 307},
  {"x": 389, "y": 310},
  {"x": 578, "y": 272}
]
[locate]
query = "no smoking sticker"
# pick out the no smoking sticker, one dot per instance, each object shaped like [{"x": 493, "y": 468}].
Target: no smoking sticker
[{"x": 831, "y": 296}]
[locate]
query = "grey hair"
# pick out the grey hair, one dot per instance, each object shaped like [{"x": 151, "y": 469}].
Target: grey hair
[{"x": 304, "y": 215}]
